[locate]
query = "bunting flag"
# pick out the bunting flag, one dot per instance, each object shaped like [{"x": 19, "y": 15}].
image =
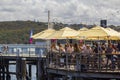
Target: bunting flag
[{"x": 31, "y": 39}]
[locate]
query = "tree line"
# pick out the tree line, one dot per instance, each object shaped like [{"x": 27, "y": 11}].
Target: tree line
[{"x": 18, "y": 32}]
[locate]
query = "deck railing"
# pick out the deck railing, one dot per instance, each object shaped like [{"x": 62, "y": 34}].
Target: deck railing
[
  {"x": 23, "y": 49},
  {"x": 83, "y": 63}
]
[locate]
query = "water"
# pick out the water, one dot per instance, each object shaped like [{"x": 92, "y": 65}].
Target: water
[{"x": 12, "y": 68}]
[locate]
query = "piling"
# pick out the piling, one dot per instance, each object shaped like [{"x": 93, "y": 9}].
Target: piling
[
  {"x": 23, "y": 69},
  {"x": 8, "y": 77},
  {"x": 1, "y": 62},
  {"x": 39, "y": 69},
  {"x": 18, "y": 68},
  {"x": 3, "y": 68},
  {"x": 30, "y": 71}
]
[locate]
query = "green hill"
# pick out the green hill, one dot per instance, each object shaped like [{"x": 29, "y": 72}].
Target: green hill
[{"x": 18, "y": 32}]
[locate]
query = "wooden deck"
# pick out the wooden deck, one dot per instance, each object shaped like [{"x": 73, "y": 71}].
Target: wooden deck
[
  {"x": 87, "y": 74},
  {"x": 82, "y": 67},
  {"x": 60, "y": 65},
  {"x": 21, "y": 61}
]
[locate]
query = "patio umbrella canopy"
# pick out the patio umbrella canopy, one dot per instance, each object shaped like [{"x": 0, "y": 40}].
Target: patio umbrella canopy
[
  {"x": 43, "y": 34},
  {"x": 98, "y": 33},
  {"x": 83, "y": 29},
  {"x": 114, "y": 33},
  {"x": 64, "y": 33}
]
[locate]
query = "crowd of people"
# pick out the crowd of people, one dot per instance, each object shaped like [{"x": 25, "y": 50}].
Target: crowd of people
[
  {"x": 86, "y": 48},
  {"x": 90, "y": 50}
]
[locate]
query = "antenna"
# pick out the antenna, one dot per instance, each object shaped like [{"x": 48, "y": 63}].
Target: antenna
[{"x": 48, "y": 19}]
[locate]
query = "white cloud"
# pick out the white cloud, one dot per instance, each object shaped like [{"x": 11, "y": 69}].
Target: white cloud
[{"x": 69, "y": 11}]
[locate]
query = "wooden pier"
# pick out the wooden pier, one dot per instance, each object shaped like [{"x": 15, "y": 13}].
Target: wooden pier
[
  {"x": 21, "y": 62},
  {"x": 81, "y": 68},
  {"x": 56, "y": 66}
]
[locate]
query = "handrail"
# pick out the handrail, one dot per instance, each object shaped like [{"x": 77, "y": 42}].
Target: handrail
[
  {"x": 89, "y": 63},
  {"x": 23, "y": 49}
]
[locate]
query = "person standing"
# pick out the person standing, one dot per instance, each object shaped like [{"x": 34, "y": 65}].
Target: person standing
[{"x": 5, "y": 49}]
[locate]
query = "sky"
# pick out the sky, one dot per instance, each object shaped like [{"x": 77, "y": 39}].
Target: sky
[{"x": 65, "y": 11}]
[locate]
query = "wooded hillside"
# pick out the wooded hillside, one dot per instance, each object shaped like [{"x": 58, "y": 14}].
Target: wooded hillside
[{"x": 18, "y": 32}]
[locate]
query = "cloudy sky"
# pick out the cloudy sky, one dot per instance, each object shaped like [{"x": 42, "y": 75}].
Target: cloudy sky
[{"x": 65, "y": 11}]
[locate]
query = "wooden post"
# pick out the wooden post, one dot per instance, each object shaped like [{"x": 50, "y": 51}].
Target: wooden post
[
  {"x": 66, "y": 61},
  {"x": 0, "y": 74},
  {"x": 77, "y": 62},
  {"x": 30, "y": 71},
  {"x": 3, "y": 73},
  {"x": 39, "y": 69},
  {"x": 18, "y": 68},
  {"x": 1, "y": 62},
  {"x": 23, "y": 69},
  {"x": 3, "y": 69},
  {"x": 7, "y": 70},
  {"x": 80, "y": 62}
]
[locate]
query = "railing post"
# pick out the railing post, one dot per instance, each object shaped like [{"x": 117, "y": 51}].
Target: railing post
[
  {"x": 99, "y": 62},
  {"x": 77, "y": 62},
  {"x": 66, "y": 60},
  {"x": 18, "y": 52},
  {"x": 47, "y": 59},
  {"x": 50, "y": 61},
  {"x": 29, "y": 50}
]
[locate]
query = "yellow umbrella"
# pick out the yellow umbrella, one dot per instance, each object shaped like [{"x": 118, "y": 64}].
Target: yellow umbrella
[
  {"x": 64, "y": 33},
  {"x": 43, "y": 34},
  {"x": 114, "y": 34},
  {"x": 97, "y": 33},
  {"x": 112, "y": 30},
  {"x": 83, "y": 29}
]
